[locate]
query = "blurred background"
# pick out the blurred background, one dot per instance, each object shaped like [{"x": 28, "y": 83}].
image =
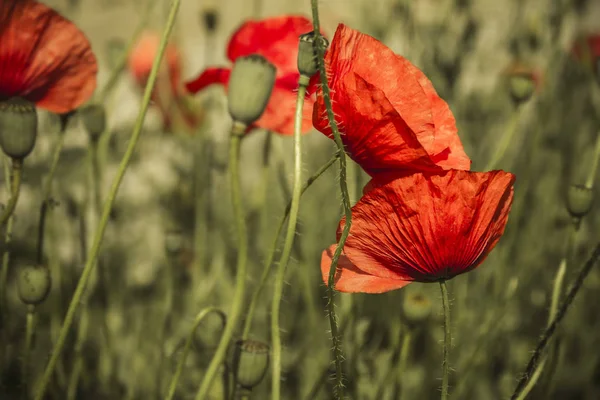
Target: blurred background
[{"x": 169, "y": 249}]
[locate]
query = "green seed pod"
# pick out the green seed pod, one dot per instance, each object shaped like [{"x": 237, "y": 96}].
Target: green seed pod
[
  {"x": 522, "y": 87},
  {"x": 94, "y": 120},
  {"x": 579, "y": 200},
  {"x": 307, "y": 55},
  {"x": 18, "y": 127},
  {"x": 33, "y": 283},
  {"x": 416, "y": 307},
  {"x": 250, "y": 85},
  {"x": 250, "y": 363}
]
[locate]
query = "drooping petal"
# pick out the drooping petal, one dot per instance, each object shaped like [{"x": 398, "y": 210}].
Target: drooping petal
[
  {"x": 208, "y": 77},
  {"x": 427, "y": 226},
  {"x": 351, "y": 279},
  {"x": 407, "y": 89},
  {"x": 274, "y": 38},
  {"x": 44, "y": 58},
  {"x": 374, "y": 134}
]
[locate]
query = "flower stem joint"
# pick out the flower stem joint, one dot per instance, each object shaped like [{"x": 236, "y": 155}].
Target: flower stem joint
[
  {"x": 250, "y": 363},
  {"x": 307, "y": 56},
  {"x": 250, "y": 86},
  {"x": 18, "y": 127},
  {"x": 33, "y": 284}
]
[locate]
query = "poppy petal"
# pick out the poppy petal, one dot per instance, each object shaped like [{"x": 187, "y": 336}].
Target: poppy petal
[
  {"x": 380, "y": 140},
  {"x": 209, "y": 77},
  {"x": 274, "y": 38},
  {"x": 408, "y": 90},
  {"x": 44, "y": 58},
  {"x": 429, "y": 226},
  {"x": 350, "y": 279}
]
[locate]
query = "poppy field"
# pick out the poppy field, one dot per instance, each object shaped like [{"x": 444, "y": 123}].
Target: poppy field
[{"x": 311, "y": 199}]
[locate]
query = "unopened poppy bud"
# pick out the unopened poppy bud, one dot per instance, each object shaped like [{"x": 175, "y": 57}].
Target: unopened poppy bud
[
  {"x": 33, "y": 284},
  {"x": 416, "y": 308},
  {"x": 173, "y": 242},
  {"x": 251, "y": 362},
  {"x": 94, "y": 120},
  {"x": 307, "y": 55},
  {"x": 250, "y": 85},
  {"x": 522, "y": 87},
  {"x": 210, "y": 19},
  {"x": 18, "y": 127},
  {"x": 579, "y": 200}
]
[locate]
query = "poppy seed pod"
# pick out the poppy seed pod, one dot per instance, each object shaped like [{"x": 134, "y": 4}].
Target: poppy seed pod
[
  {"x": 579, "y": 200},
  {"x": 33, "y": 283},
  {"x": 250, "y": 362},
  {"x": 94, "y": 120},
  {"x": 521, "y": 87},
  {"x": 18, "y": 127},
  {"x": 416, "y": 308},
  {"x": 250, "y": 86},
  {"x": 307, "y": 55}
]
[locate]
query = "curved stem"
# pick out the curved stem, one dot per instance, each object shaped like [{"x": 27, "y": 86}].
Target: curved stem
[
  {"x": 287, "y": 247},
  {"x": 237, "y": 132},
  {"x": 17, "y": 173},
  {"x": 188, "y": 344},
  {"x": 337, "y": 341},
  {"x": 47, "y": 189},
  {"x": 29, "y": 331},
  {"x": 507, "y": 138},
  {"x": 87, "y": 270},
  {"x": 76, "y": 371},
  {"x": 269, "y": 260},
  {"x": 560, "y": 314},
  {"x": 447, "y": 340},
  {"x": 589, "y": 183}
]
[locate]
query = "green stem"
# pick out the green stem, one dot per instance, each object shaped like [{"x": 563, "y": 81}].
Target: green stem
[
  {"x": 188, "y": 344},
  {"x": 337, "y": 341},
  {"x": 551, "y": 329},
  {"x": 29, "y": 331},
  {"x": 507, "y": 138},
  {"x": 404, "y": 351},
  {"x": 589, "y": 183},
  {"x": 269, "y": 260},
  {"x": 237, "y": 132},
  {"x": 47, "y": 189},
  {"x": 17, "y": 173},
  {"x": 166, "y": 322},
  {"x": 447, "y": 340},
  {"x": 87, "y": 270},
  {"x": 7, "y": 245},
  {"x": 78, "y": 367},
  {"x": 287, "y": 246}
]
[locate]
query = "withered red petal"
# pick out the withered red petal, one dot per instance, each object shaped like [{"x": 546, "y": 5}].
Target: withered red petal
[{"x": 208, "y": 77}]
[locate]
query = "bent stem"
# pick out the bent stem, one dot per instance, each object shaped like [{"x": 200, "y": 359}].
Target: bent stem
[
  {"x": 88, "y": 268},
  {"x": 337, "y": 341},
  {"x": 447, "y": 340},
  {"x": 287, "y": 247},
  {"x": 29, "y": 331},
  {"x": 237, "y": 132},
  {"x": 560, "y": 314},
  {"x": 17, "y": 173},
  {"x": 188, "y": 344},
  {"x": 269, "y": 260}
]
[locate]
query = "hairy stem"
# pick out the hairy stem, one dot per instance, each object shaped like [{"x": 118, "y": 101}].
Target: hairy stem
[
  {"x": 91, "y": 261},
  {"x": 237, "y": 133},
  {"x": 29, "y": 332},
  {"x": 447, "y": 340},
  {"x": 7, "y": 245},
  {"x": 17, "y": 173}
]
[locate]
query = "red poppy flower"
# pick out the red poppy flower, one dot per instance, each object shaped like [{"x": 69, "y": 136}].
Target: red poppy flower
[
  {"x": 423, "y": 227},
  {"x": 587, "y": 51},
  {"x": 169, "y": 99},
  {"x": 388, "y": 111},
  {"x": 44, "y": 58},
  {"x": 276, "y": 39}
]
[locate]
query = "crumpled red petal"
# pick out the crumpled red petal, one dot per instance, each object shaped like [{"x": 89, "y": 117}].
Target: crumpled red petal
[
  {"x": 406, "y": 88},
  {"x": 351, "y": 279},
  {"x": 208, "y": 77},
  {"x": 274, "y": 38},
  {"x": 44, "y": 58},
  {"x": 426, "y": 227}
]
